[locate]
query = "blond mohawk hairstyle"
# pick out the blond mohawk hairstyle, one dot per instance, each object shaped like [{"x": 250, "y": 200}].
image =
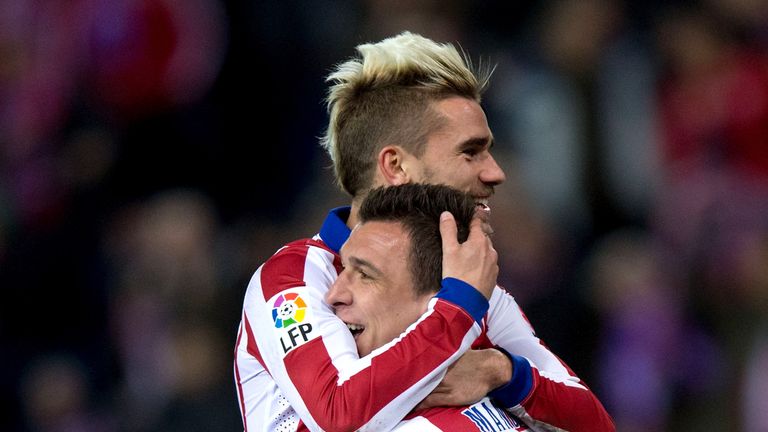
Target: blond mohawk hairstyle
[{"x": 382, "y": 97}]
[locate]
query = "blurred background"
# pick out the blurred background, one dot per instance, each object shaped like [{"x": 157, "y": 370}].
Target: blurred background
[{"x": 154, "y": 152}]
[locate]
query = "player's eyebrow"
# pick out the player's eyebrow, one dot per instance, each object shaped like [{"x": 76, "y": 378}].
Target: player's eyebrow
[
  {"x": 477, "y": 143},
  {"x": 364, "y": 265}
]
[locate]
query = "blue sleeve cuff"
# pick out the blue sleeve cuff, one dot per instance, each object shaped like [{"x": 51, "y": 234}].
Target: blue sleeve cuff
[
  {"x": 519, "y": 387},
  {"x": 465, "y": 296}
]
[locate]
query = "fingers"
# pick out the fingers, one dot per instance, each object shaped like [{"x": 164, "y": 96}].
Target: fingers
[
  {"x": 487, "y": 229},
  {"x": 478, "y": 227},
  {"x": 437, "y": 398},
  {"x": 448, "y": 230},
  {"x": 474, "y": 261},
  {"x": 429, "y": 402},
  {"x": 422, "y": 405}
]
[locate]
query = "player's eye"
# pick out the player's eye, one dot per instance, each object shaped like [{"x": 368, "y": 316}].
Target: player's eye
[{"x": 470, "y": 152}]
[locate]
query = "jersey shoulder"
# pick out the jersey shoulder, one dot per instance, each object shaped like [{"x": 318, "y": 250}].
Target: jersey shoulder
[{"x": 290, "y": 266}]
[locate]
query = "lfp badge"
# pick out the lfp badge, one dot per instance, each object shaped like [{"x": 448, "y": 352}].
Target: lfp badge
[
  {"x": 292, "y": 318},
  {"x": 288, "y": 309}
]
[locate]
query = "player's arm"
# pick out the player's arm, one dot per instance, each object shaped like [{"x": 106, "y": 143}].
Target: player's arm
[
  {"x": 316, "y": 366},
  {"x": 543, "y": 391},
  {"x": 315, "y": 362},
  {"x": 475, "y": 374}
]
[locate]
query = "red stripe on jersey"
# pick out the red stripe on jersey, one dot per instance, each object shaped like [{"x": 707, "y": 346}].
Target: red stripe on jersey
[
  {"x": 366, "y": 393},
  {"x": 318, "y": 243},
  {"x": 483, "y": 341},
  {"x": 550, "y": 401},
  {"x": 239, "y": 385},
  {"x": 446, "y": 418},
  {"x": 336, "y": 258},
  {"x": 251, "y": 342},
  {"x": 284, "y": 270}
]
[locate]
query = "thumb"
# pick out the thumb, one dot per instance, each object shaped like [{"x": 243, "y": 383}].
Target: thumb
[{"x": 448, "y": 231}]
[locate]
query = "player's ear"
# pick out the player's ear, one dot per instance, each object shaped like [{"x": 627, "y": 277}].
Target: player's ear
[{"x": 391, "y": 165}]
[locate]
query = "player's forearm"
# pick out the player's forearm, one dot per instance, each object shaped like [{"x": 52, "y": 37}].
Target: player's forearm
[
  {"x": 549, "y": 393},
  {"x": 547, "y": 403},
  {"x": 497, "y": 369},
  {"x": 383, "y": 387},
  {"x": 384, "y": 391},
  {"x": 563, "y": 405}
]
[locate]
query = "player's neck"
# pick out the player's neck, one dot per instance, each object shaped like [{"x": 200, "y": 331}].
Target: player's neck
[
  {"x": 357, "y": 202},
  {"x": 352, "y": 219}
]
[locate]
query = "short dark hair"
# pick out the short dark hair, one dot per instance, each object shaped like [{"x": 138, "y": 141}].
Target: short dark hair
[{"x": 418, "y": 207}]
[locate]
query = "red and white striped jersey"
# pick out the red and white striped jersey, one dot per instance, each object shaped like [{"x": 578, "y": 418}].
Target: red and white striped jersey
[
  {"x": 482, "y": 416},
  {"x": 297, "y": 366}
]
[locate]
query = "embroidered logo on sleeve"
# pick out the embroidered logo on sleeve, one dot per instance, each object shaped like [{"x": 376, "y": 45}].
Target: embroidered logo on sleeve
[
  {"x": 292, "y": 317},
  {"x": 288, "y": 309}
]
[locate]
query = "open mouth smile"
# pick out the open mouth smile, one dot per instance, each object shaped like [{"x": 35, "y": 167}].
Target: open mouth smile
[{"x": 355, "y": 329}]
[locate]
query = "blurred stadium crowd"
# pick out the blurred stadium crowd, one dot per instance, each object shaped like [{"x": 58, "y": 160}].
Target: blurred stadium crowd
[{"x": 154, "y": 152}]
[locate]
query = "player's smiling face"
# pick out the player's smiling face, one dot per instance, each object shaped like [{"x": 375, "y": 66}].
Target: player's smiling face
[
  {"x": 458, "y": 153},
  {"x": 374, "y": 294}
]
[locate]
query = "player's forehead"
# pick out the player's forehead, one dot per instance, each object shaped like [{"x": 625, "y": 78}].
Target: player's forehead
[
  {"x": 375, "y": 241},
  {"x": 460, "y": 122}
]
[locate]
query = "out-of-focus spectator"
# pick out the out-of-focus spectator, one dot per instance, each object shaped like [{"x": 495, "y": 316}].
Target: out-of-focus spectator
[
  {"x": 713, "y": 208},
  {"x": 200, "y": 380},
  {"x": 528, "y": 246},
  {"x": 714, "y": 117},
  {"x": 574, "y": 103},
  {"x": 167, "y": 273},
  {"x": 649, "y": 353},
  {"x": 146, "y": 56},
  {"x": 714, "y": 100},
  {"x": 57, "y": 397},
  {"x": 745, "y": 19},
  {"x": 755, "y": 383},
  {"x": 437, "y": 20}
]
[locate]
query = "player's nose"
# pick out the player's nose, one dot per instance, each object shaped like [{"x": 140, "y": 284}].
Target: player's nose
[
  {"x": 491, "y": 173},
  {"x": 339, "y": 294}
]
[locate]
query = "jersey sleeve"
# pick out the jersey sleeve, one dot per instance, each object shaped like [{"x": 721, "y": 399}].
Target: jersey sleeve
[
  {"x": 312, "y": 357},
  {"x": 544, "y": 392}
]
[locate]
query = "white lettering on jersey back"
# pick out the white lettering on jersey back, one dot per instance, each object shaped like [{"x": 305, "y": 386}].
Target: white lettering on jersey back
[{"x": 489, "y": 418}]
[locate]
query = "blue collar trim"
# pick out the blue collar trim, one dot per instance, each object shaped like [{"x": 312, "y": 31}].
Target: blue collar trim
[{"x": 335, "y": 232}]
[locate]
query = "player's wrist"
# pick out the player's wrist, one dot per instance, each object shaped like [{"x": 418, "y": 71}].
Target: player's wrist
[
  {"x": 519, "y": 386},
  {"x": 500, "y": 369},
  {"x": 465, "y": 296}
]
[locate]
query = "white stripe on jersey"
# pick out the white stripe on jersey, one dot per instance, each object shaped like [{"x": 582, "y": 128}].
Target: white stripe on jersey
[{"x": 416, "y": 424}]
